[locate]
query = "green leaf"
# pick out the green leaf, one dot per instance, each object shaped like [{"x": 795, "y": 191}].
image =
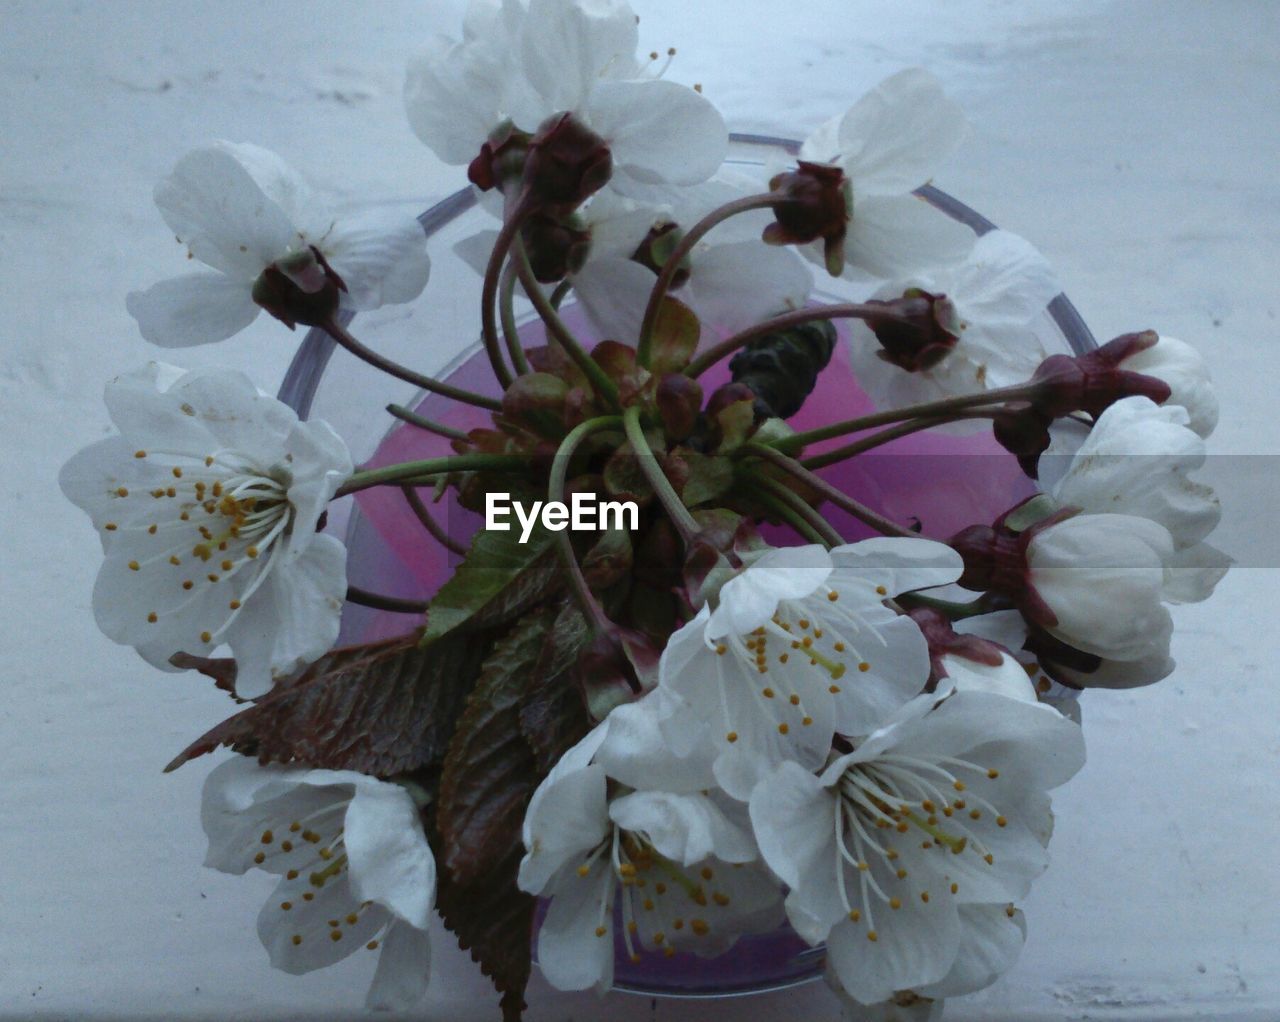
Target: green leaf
[
  {"x": 382, "y": 709},
  {"x": 676, "y": 331},
  {"x": 554, "y": 717},
  {"x": 709, "y": 476},
  {"x": 498, "y": 581}
]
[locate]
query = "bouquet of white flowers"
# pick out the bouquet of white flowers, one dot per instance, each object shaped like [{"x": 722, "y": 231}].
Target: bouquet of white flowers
[{"x": 714, "y": 717}]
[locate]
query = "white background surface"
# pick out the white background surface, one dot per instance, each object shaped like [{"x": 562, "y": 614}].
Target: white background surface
[{"x": 1136, "y": 143}]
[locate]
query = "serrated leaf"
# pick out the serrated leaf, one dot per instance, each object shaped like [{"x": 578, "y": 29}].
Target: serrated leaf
[
  {"x": 382, "y": 709},
  {"x": 488, "y": 773},
  {"x": 676, "y": 331},
  {"x": 553, "y": 716},
  {"x": 499, "y": 580}
]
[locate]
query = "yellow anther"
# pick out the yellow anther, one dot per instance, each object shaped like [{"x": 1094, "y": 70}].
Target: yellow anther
[
  {"x": 648, "y": 904},
  {"x": 134, "y": 566},
  {"x": 234, "y": 605},
  {"x": 260, "y": 858},
  {"x": 213, "y": 576},
  {"x": 372, "y": 945},
  {"x": 335, "y": 935},
  {"x": 174, "y": 560},
  {"x": 352, "y": 918},
  {"x": 122, "y": 491},
  {"x": 795, "y": 700},
  {"x": 872, "y": 936},
  {"x": 881, "y": 591},
  {"x": 286, "y": 905},
  {"x": 291, "y": 875},
  {"x": 863, "y": 866},
  {"x": 267, "y": 837},
  {"x": 855, "y": 915},
  {"x": 955, "y": 888},
  {"x": 151, "y": 529},
  {"x": 1001, "y": 821},
  {"x": 171, "y": 492},
  {"x": 806, "y": 721},
  {"x": 895, "y": 903},
  {"x": 308, "y": 896},
  {"x": 326, "y": 854},
  {"x": 669, "y": 951},
  {"x": 783, "y": 729},
  {"x": 902, "y": 874},
  {"x": 297, "y": 939},
  {"x": 677, "y": 924},
  {"x": 251, "y": 552},
  {"x": 803, "y": 623},
  {"x": 139, "y": 454},
  {"x": 1010, "y": 911},
  {"x": 227, "y": 565},
  {"x": 208, "y": 461},
  {"x": 187, "y": 584},
  {"x": 864, "y": 667},
  {"x": 993, "y": 774},
  {"x": 834, "y": 689},
  {"x": 833, "y": 596},
  {"x": 206, "y": 636},
  {"x": 767, "y": 693},
  {"x": 732, "y": 736},
  {"x": 975, "y": 814},
  {"x": 720, "y": 899},
  {"x": 707, "y": 874},
  {"x": 989, "y": 859},
  {"x": 903, "y": 826},
  {"x": 699, "y": 927},
  {"x": 153, "y": 617},
  {"x": 626, "y": 870},
  {"x": 890, "y": 854},
  {"x": 659, "y": 937},
  {"x": 111, "y": 526},
  {"x": 958, "y": 785},
  {"x": 817, "y": 633},
  {"x": 286, "y": 846}
]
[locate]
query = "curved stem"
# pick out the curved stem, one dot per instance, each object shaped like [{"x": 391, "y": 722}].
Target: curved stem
[
  {"x": 381, "y": 602},
  {"x": 410, "y": 470},
  {"x": 936, "y": 411},
  {"x": 429, "y": 522},
  {"x": 851, "y": 310},
  {"x": 819, "y": 525},
  {"x": 555, "y": 491},
  {"x": 786, "y": 515},
  {"x": 422, "y": 422},
  {"x": 506, "y": 310},
  {"x": 672, "y": 266},
  {"x": 340, "y": 334},
  {"x": 561, "y": 290},
  {"x": 837, "y": 497},
  {"x": 559, "y": 330},
  {"x": 680, "y": 516},
  {"x": 885, "y": 436},
  {"x": 515, "y": 210}
]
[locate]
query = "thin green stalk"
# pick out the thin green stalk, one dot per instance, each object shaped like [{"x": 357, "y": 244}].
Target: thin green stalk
[
  {"x": 955, "y": 611},
  {"x": 555, "y": 491},
  {"x": 785, "y": 514},
  {"x": 680, "y": 516},
  {"x": 344, "y": 337},
  {"x": 408, "y": 471},
  {"x": 559, "y": 330},
  {"x": 516, "y": 209},
  {"x": 561, "y": 290},
  {"x": 506, "y": 310},
  {"x": 422, "y": 422},
  {"x": 831, "y": 493},
  {"x": 828, "y": 535},
  {"x": 672, "y": 266},
  {"x": 380, "y": 602},
  {"x": 429, "y": 522},
  {"x": 885, "y": 436}
]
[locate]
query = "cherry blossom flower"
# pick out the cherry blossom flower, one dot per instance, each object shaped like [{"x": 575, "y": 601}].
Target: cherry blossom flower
[
  {"x": 521, "y": 65},
  {"x": 997, "y": 293},
  {"x": 888, "y": 143},
  {"x": 207, "y": 504},
  {"x": 906, "y": 854},
  {"x": 674, "y": 870},
  {"x": 355, "y": 868},
  {"x": 1135, "y": 461},
  {"x": 250, "y": 218},
  {"x": 1183, "y": 368},
  {"x": 801, "y": 646}
]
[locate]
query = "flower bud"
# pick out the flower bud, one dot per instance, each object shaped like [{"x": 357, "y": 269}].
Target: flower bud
[
  {"x": 816, "y": 204},
  {"x": 679, "y": 401},
  {"x": 556, "y": 246},
  {"x": 945, "y": 641},
  {"x": 299, "y": 288},
  {"x": 916, "y": 331},
  {"x": 1092, "y": 382},
  {"x": 1023, "y": 430},
  {"x": 657, "y": 247},
  {"x": 501, "y": 158},
  {"x": 567, "y": 162}
]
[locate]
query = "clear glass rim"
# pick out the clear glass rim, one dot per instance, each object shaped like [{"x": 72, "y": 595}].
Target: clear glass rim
[{"x": 302, "y": 379}]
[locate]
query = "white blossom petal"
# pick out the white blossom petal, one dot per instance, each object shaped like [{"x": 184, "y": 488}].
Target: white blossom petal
[
  {"x": 893, "y": 235},
  {"x": 381, "y": 258},
  {"x": 199, "y": 308},
  {"x": 568, "y": 45},
  {"x": 614, "y": 292},
  {"x": 734, "y": 286},
  {"x": 991, "y": 938},
  {"x": 571, "y": 955},
  {"x": 391, "y": 862},
  {"x": 404, "y": 963},
  {"x": 683, "y": 828}
]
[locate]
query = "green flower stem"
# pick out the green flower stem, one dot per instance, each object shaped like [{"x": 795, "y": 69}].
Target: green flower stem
[
  {"x": 561, "y": 291},
  {"x": 411, "y": 471},
  {"x": 662, "y": 488},
  {"x": 672, "y": 266},
  {"x": 422, "y": 422},
  {"x": 506, "y": 312},
  {"x": 516, "y": 209},
  {"x": 885, "y": 436},
  {"x": 936, "y": 411},
  {"x": 785, "y": 514},
  {"x": 837, "y": 497},
  {"x": 955, "y": 611},
  {"x": 429, "y": 522},
  {"x": 340, "y": 334},
  {"x": 555, "y": 491},
  {"x": 786, "y": 321},
  {"x": 560, "y": 331},
  {"x": 378, "y": 601},
  {"x": 819, "y": 525}
]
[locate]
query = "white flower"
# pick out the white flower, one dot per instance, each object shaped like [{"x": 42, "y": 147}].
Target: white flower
[
  {"x": 888, "y": 143},
  {"x": 240, "y": 209},
  {"x": 998, "y": 292},
  {"x": 207, "y": 504},
  {"x": 896, "y": 854},
  {"x": 1102, "y": 578},
  {"x": 356, "y": 871},
  {"x": 556, "y": 56},
  {"x": 683, "y": 871},
  {"x": 1183, "y": 368},
  {"x": 801, "y": 646}
]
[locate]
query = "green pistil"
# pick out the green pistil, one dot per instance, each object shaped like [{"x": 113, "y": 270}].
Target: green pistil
[{"x": 956, "y": 844}]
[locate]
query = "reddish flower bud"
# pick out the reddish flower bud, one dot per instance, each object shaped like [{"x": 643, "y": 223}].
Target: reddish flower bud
[
  {"x": 916, "y": 331},
  {"x": 1094, "y": 381},
  {"x": 1023, "y": 430},
  {"x": 557, "y": 246},
  {"x": 567, "y": 162},
  {"x": 817, "y": 204},
  {"x": 679, "y": 400},
  {"x": 300, "y": 288},
  {"x": 657, "y": 247},
  {"x": 501, "y": 158}
]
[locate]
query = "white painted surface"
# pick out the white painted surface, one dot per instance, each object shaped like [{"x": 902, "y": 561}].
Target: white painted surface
[{"x": 1137, "y": 143}]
